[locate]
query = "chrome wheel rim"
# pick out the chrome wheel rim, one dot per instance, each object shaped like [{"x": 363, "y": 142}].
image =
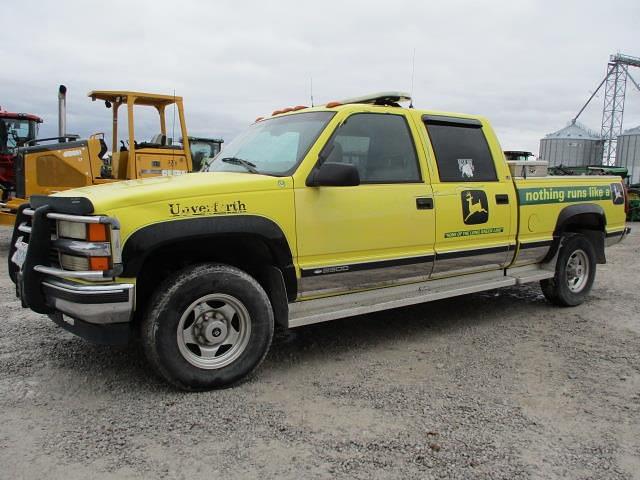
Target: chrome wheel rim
[
  {"x": 577, "y": 271},
  {"x": 214, "y": 331}
]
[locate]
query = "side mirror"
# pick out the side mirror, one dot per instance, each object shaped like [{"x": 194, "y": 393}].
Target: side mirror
[{"x": 332, "y": 174}]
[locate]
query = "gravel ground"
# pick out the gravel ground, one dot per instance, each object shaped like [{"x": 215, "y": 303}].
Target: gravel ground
[{"x": 493, "y": 385}]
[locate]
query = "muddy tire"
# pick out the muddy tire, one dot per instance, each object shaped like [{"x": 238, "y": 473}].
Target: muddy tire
[
  {"x": 209, "y": 326},
  {"x": 575, "y": 273}
]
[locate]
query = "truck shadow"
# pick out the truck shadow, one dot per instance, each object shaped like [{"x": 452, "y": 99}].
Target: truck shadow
[
  {"x": 420, "y": 322},
  {"x": 113, "y": 368}
]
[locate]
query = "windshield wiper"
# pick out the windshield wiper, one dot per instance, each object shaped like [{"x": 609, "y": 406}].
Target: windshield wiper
[{"x": 251, "y": 167}]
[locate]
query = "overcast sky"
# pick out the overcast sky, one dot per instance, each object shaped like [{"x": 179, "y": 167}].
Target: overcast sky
[{"x": 527, "y": 65}]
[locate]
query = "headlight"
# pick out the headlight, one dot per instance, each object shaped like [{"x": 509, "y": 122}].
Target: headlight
[
  {"x": 86, "y": 246},
  {"x": 75, "y": 230},
  {"x": 94, "y": 232},
  {"x": 71, "y": 262}
]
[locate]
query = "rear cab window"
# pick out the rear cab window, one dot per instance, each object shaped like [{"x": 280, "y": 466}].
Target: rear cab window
[{"x": 461, "y": 149}]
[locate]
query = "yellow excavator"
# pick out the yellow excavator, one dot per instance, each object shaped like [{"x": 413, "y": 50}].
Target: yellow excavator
[{"x": 45, "y": 166}]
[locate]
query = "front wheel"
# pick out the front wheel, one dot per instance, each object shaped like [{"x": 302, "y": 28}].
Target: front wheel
[
  {"x": 209, "y": 326},
  {"x": 575, "y": 273}
]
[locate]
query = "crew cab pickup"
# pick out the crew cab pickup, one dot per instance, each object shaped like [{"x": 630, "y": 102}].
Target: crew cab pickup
[{"x": 310, "y": 215}]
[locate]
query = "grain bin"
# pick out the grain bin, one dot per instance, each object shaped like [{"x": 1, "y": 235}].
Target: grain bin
[
  {"x": 628, "y": 153},
  {"x": 572, "y": 146}
]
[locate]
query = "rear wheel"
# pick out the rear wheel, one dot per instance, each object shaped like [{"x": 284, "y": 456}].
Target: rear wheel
[
  {"x": 210, "y": 326},
  {"x": 575, "y": 273}
]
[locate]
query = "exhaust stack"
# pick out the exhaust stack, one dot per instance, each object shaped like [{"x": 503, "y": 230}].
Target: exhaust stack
[{"x": 62, "y": 111}]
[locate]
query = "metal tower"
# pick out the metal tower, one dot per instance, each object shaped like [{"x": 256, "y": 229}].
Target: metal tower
[{"x": 613, "y": 108}]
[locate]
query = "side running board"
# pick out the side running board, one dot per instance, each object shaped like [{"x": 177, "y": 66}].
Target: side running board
[{"x": 307, "y": 312}]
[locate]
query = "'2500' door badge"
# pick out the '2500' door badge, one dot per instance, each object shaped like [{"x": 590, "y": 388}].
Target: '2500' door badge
[
  {"x": 475, "y": 207},
  {"x": 199, "y": 210}
]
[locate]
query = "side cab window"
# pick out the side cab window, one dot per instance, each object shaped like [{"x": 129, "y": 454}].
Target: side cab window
[
  {"x": 379, "y": 145},
  {"x": 461, "y": 149}
]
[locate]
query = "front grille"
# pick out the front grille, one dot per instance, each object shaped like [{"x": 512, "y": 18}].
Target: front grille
[
  {"x": 54, "y": 258},
  {"x": 24, "y": 227}
]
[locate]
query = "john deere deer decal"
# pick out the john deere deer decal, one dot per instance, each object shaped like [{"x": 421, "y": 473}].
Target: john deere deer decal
[{"x": 475, "y": 208}]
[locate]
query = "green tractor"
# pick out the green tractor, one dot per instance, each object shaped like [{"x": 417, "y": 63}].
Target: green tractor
[{"x": 203, "y": 149}]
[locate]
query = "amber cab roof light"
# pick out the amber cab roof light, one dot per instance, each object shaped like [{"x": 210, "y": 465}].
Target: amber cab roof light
[{"x": 286, "y": 110}]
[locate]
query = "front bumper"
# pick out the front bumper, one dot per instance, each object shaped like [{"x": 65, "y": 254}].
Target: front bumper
[
  {"x": 107, "y": 334},
  {"x": 96, "y": 304},
  {"x": 98, "y": 313}
]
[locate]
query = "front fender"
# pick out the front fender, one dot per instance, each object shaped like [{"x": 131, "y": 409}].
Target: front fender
[{"x": 143, "y": 242}]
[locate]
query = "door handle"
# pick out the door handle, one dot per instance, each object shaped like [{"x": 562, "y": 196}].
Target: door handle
[
  {"x": 424, "y": 203},
  {"x": 502, "y": 199}
]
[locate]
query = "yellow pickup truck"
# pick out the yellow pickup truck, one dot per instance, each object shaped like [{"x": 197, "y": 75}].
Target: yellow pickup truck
[{"x": 310, "y": 215}]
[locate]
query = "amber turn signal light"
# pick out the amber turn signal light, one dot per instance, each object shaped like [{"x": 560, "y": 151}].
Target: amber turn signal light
[
  {"x": 96, "y": 232},
  {"x": 99, "y": 263}
]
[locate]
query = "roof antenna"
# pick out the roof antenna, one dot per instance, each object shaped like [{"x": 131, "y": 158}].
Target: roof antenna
[
  {"x": 413, "y": 71},
  {"x": 311, "y": 81}
]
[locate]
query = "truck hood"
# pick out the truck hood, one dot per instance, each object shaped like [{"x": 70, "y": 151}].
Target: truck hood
[{"x": 126, "y": 193}]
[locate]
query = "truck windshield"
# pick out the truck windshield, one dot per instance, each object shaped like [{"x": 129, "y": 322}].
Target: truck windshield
[
  {"x": 14, "y": 133},
  {"x": 275, "y": 146}
]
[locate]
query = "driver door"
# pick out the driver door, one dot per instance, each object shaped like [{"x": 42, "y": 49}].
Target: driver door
[{"x": 375, "y": 234}]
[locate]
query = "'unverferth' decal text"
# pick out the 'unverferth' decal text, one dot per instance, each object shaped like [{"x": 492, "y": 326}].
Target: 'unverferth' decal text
[{"x": 215, "y": 208}]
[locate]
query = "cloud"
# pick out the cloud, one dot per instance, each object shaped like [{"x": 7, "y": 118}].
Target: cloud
[{"x": 527, "y": 65}]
